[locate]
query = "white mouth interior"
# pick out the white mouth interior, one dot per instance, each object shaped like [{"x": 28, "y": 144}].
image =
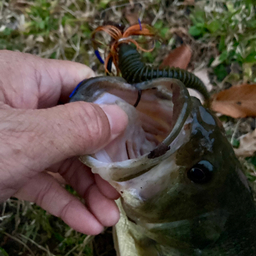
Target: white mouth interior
[{"x": 149, "y": 123}]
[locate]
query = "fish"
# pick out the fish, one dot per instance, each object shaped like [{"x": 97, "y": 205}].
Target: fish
[{"x": 182, "y": 190}]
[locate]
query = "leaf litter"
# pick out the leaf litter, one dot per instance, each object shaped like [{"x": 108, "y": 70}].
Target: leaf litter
[
  {"x": 179, "y": 57},
  {"x": 237, "y": 101}
]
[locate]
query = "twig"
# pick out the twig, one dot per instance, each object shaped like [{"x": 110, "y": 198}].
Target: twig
[
  {"x": 73, "y": 249},
  {"x": 62, "y": 51},
  {"x": 5, "y": 217},
  {"x": 4, "y": 207},
  {"x": 69, "y": 11},
  {"x": 50, "y": 51},
  {"x": 76, "y": 47},
  {"x": 157, "y": 16},
  {"x": 36, "y": 244},
  {"x": 76, "y": 5},
  {"x": 121, "y": 5},
  {"x": 235, "y": 131},
  {"x": 17, "y": 216},
  {"x": 1, "y": 8},
  {"x": 143, "y": 8},
  {"x": 18, "y": 240},
  {"x": 87, "y": 238},
  {"x": 85, "y": 242}
]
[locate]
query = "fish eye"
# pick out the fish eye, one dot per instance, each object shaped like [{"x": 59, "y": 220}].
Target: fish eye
[{"x": 201, "y": 172}]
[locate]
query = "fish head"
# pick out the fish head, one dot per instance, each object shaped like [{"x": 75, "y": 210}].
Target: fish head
[{"x": 179, "y": 180}]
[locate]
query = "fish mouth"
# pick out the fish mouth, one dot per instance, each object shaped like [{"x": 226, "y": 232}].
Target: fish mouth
[{"x": 153, "y": 126}]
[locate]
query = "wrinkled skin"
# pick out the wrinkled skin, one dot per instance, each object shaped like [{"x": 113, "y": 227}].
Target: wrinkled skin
[{"x": 190, "y": 198}]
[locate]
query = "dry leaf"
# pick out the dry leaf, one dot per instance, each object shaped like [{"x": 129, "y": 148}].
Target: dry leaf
[
  {"x": 237, "y": 101},
  {"x": 247, "y": 145},
  {"x": 179, "y": 57}
]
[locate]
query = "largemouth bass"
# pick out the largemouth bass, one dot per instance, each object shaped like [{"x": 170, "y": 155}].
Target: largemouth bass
[{"x": 182, "y": 188}]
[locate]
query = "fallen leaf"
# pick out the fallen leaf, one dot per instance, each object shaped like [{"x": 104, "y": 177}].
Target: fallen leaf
[
  {"x": 247, "y": 145},
  {"x": 237, "y": 101},
  {"x": 179, "y": 57}
]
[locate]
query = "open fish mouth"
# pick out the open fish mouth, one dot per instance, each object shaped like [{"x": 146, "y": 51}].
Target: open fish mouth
[
  {"x": 153, "y": 126},
  {"x": 182, "y": 189}
]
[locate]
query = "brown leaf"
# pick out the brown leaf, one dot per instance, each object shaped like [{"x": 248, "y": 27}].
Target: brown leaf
[
  {"x": 247, "y": 145},
  {"x": 179, "y": 57},
  {"x": 237, "y": 101}
]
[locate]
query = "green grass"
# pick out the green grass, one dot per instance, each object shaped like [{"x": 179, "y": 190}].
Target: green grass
[
  {"x": 221, "y": 33},
  {"x": 231, "y": 26}
]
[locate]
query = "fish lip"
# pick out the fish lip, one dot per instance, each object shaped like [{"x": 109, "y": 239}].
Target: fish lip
[
  {"x": 87, "y": 89},
  {"x": 131, "y": 168}
]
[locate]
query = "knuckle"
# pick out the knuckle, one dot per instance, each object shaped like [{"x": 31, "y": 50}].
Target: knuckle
[
  {"x": 65, "y": 210},
  {"x": 43, "y": 197}
]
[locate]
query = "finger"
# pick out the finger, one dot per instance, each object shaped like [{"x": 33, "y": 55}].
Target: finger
[
  {"x": 80, "y": 177},
  {"x": 58, "y": 177},
  {"x": 105, "y": 188},
  {"x": 58, "y": 78},
  {"x": 46, "y": 192},
  {"x": 104, "y": 209},
  {"x": 76, "y": 174},
  {"x": 82, "y": 180},
  {"x": 40, "y": 138},
  {"x": 35, "y": 82}
]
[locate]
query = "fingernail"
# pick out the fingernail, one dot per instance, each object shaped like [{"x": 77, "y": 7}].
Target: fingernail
[{"x": 118, "y": 119}]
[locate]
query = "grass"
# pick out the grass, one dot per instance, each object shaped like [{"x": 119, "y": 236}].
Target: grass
[
  {"x": 26, "y": 229},
  {"x": 221, "y": 34},
  {"x": 231, "y": 26}
]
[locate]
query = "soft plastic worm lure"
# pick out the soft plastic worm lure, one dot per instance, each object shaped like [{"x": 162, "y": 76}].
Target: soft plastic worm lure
[
  {"x": 128, "y": 61},
  {"x": 134, "y": 70}
]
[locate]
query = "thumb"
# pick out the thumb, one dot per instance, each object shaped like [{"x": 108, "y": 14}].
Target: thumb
[{"x": 46, "y": 136}]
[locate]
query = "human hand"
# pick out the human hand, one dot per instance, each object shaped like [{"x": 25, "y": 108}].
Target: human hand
[{"x": 36, "y": 135}]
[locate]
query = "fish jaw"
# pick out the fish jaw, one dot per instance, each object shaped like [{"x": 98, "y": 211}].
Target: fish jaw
[
  {"x": 161, "y": 201},
  {"x": 117, "y": 164},
  {"x": 135, "y": 186}
]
